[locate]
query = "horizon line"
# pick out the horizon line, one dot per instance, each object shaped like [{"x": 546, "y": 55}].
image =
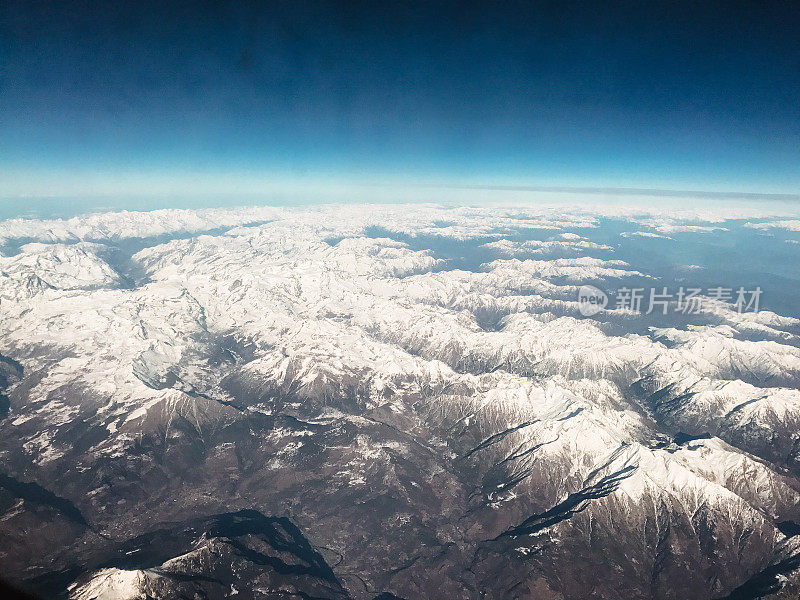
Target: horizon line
[
  {"x": 495, "y": 187},
  {"x": 624, "y": 191}
]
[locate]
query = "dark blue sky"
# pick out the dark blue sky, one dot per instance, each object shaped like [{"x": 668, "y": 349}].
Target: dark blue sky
[{"x": 697, "y": 95}]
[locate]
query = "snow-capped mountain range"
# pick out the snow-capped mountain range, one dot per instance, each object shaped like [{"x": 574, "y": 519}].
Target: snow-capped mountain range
[{"x": 398, "y": 401}]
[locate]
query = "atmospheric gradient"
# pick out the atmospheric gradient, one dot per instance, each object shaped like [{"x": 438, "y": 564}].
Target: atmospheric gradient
[{"x": 172, "y": 99}]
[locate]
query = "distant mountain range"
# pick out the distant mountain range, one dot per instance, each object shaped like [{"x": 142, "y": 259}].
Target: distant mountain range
[{"x": 377, "y": 402}]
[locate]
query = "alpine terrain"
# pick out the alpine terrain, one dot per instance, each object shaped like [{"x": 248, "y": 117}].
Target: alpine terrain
[{"x": 401, "y": 401}]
